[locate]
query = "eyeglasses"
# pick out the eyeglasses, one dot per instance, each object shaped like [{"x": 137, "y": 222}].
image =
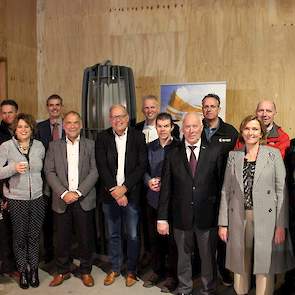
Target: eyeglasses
[
  {"x": 210, "y": 107},
  {"x": 119, "y": 117}
]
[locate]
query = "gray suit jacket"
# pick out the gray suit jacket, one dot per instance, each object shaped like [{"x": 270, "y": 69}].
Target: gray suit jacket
[
  {"x": 56, "y": 172},
  {"x": 269, "y": 210}
]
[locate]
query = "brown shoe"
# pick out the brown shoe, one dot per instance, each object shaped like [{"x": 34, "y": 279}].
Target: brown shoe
[
  {"x": 58, "y": 279},
  {"x": 87, "y": 280},
  {"x": 131, "y": 279},
  {"x": 110, "y": 278}
]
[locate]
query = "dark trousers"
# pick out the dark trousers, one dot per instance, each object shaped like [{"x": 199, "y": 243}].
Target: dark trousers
[
  {"x": 7, "y": 259},
  {"x": 73, "y": 218},
  {"x": 164, "y": 251},
  {"x": 117, "y": 217},
  {"x": 48, "y": 251},
  {"x": 221, "y": 254},
  {"x": 206, "y": 240},
  {"x": 27, "y": 218}
]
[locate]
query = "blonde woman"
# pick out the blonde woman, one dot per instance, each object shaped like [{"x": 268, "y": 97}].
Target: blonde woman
[{"x": 252, "y": 216}]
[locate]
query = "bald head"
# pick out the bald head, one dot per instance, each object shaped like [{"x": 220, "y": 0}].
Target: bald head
[
  {"x": 266, "y": 111},
  {"x": 192, "y": 127}
]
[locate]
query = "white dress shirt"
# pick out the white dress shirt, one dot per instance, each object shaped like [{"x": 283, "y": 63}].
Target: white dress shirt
[
  {"x": 121, "y": 150},
  {"x": 73, "y": 166},
  {"x": 150, "y": 133},
  {"x": 196, "y": 150}
]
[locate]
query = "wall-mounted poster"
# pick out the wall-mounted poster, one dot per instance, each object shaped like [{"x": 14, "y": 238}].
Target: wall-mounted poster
[{"x": 178, "y": 99}]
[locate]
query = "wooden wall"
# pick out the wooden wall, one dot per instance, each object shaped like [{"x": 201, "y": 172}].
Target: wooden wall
[
  {"x": 18, "y": 46},
  {"x": 250, "y": 44}
]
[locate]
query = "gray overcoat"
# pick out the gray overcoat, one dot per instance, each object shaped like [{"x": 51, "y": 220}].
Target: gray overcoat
[{"x": 269, "y": 210}]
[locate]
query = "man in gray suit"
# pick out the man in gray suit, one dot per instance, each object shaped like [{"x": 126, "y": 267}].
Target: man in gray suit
[{"x": 71, "y": 173}]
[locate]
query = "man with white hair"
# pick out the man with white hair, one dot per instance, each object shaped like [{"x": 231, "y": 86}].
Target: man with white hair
[{"x": 191, "y": 184}]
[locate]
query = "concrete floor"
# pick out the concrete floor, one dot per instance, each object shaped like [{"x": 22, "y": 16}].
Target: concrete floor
[{"x": 74, "y": 286}]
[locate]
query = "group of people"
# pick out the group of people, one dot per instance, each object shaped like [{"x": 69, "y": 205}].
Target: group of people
[{"x": 217, "y": 190}]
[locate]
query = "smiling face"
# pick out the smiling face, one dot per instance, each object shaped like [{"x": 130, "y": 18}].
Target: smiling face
[
  {"x": 23, "y": 131},
  {"x": 252, "y": 132},
  {"x": 266, "y": 112},
  {"x": 119, "y": 119},
  {"x": 150, "y": 109},
  {"x": 72, "y": 126},
  {"x": 54, "y": 107},
  {"x": 192, "y": 128}
]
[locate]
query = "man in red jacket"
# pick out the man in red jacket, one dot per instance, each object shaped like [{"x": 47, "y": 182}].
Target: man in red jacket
[{"x": 276, "y": 137}]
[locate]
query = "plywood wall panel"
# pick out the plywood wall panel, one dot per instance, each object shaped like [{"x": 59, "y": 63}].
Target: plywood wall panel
[{"x": 249, "y": 44}]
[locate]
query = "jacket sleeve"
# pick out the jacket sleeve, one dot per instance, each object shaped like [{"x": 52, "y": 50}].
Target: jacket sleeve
[
  {"x": 137, "y": 174},
  {"x": 225, "y": 192},
  {"x": 283, "y": 143},
  {"x": 6, "y": 171},
  {"x": 89, "y": 182},
  {"x": 165, "y": 193},
  {"x": 281, "y": 190},
  {"x": 51, "y": 173},
  {"x": 104, "y": 171}
]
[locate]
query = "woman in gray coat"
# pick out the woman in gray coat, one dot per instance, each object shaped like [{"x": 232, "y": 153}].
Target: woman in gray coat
[
  {"x": 21, "y": 161},
  {"x": 253, "y": 212}
]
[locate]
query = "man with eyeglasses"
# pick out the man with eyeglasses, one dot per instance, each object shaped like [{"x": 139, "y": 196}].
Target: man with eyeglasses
[
  {"x": 121, "y": 158},
  {"x": 217, "y": 132}
]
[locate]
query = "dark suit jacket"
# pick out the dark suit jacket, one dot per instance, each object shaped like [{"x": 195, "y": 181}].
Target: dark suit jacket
[
  {"x": 193, "y": 200},
  {"x": 175, "y": 132},
  {"x": 107, "y": 163},
  {"x": 56, "y": 172},
  {"x": 43, "y": 133}
]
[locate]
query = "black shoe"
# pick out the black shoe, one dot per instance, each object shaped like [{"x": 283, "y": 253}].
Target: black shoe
[
  {"x": 34, "y": 278},
  {"x": 23, "y": 280},
  {"x": 153, "y": 280},
  {"x": 169, "y": 285},
  {"x": 226, "y": 278}
]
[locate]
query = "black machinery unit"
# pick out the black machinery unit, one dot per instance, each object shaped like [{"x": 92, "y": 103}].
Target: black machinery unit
[{"x": 104, "y": 85}]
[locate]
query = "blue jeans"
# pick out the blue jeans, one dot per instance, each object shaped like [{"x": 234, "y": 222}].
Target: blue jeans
[{"x": 115, "y": 218}]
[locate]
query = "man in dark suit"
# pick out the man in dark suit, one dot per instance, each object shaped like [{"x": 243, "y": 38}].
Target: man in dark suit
[
  {"x": 46, "y": 131},
  {"x": 52, "y": 128},
  {"x": 71, "y": 173},
  {"x": 191, "y": 184},
  {"x": 121, "y": 159}
]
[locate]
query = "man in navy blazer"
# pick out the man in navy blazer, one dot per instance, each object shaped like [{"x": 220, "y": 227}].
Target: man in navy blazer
[
  {"x": 121, "y": 159},
  {"x": 191, "y": 184},
  {"x": 44, "y": 133}
]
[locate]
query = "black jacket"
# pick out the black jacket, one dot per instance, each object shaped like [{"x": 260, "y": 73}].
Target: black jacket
[
  {"x": 107, "y": 163},
  {"x": 193, "y": 200},
  {"x": 4, "y": 132},
  {"x": 226, "y": 135}
]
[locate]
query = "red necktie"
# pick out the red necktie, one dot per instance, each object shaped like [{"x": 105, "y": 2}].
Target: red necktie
[
  {"x": 192, "y": 160},
  {"x": 55, "y": 131}
]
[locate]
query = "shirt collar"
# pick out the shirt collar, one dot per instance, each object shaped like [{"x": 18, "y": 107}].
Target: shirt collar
[
  {"x": 124, "y": 134},
  {"x": 69, "y": 141},
  {"x": 197, "y": 144},
  {"x": 58, "y": 121}
]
